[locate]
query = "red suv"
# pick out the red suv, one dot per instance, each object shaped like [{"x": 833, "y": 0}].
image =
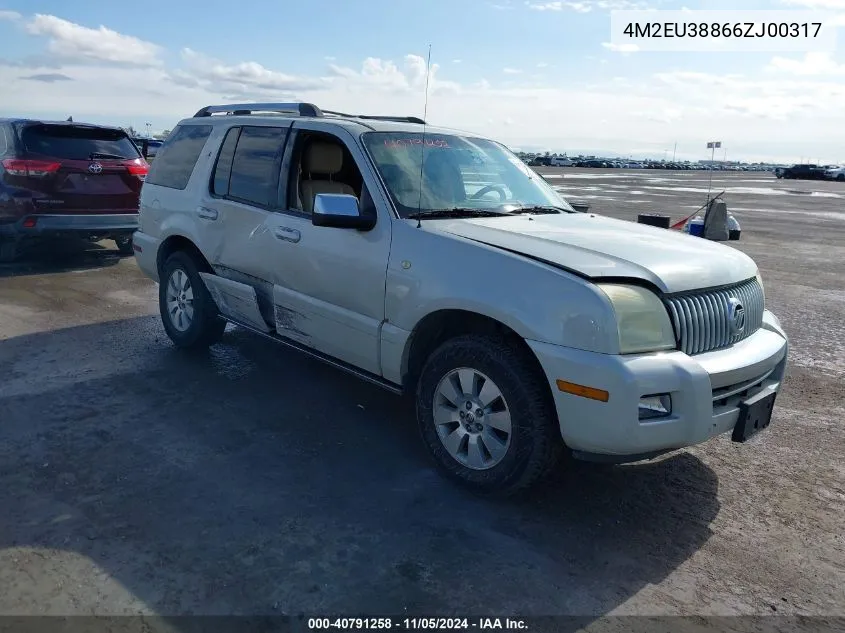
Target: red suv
[{"x": 64, "y": 178}]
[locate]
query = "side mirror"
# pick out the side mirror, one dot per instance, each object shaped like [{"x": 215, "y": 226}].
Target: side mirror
[{"x": 340, "y": 211}]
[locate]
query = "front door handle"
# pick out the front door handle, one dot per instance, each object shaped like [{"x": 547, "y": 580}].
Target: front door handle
[
  {"x": 206, "y": 213},
  {"x": 289, "y": 235}
]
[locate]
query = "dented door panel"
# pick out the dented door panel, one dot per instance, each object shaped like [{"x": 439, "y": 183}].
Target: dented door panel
[{"x": 235, "y": 301}]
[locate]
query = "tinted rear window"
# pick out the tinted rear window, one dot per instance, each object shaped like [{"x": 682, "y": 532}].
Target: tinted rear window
[
  {"x": 176, "y": 158},
  {"x": 77, "y": 142},
  {"x": 254, "y": 166}
]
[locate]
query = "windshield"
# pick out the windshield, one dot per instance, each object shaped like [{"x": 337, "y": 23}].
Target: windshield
[{"x": 456, "y": 172}]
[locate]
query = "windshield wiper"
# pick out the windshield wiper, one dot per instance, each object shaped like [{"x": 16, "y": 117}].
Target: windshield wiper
[
  {"x": 104, "y": 155},
  {"x": 544, "y": 208},
  {"x": 457, "y": 212}
]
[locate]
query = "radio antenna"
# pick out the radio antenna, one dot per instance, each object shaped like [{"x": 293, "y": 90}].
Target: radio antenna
[{"x": 422, "y": 145}]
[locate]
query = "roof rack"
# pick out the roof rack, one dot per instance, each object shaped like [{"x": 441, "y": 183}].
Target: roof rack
[
  {"x": 302, "y": 109},
  {"x": 372, "y": 117},
  {"x": 237, "y": 109}
]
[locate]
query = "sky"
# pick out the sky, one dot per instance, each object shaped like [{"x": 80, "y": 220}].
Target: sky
[{"x": 538, "y": 75}]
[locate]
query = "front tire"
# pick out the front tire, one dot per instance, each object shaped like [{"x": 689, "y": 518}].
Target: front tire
[
  {"x": 188, "y": 312},
  {"x": 840, "y": 177},
  {"x": 486, "y": 415}
]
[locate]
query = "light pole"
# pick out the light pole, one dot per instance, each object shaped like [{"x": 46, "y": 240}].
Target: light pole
[
  {"x": 712, "y": 146},
  {"x": 149, "y": 126}
]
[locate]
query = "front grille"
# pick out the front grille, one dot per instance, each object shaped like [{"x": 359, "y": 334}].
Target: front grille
[{"x": 702, "y": 319}]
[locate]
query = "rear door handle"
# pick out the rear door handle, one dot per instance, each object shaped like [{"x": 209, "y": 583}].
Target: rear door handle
[
  {"x": 206, "y": 213},
  {"x": 289, "y": 235}
]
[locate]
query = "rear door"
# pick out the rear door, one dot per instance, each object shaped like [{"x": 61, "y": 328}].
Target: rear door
[{"x": 74, "y": 169}]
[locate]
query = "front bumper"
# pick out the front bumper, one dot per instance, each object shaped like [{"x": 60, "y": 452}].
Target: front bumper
[
  {"x": 56, "y": 225},
  {"x": 706, "y": 391}
]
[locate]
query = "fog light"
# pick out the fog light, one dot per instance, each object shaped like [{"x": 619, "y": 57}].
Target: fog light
[{"x": 658, "y": 406}]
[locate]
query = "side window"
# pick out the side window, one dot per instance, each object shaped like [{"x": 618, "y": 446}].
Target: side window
[
  {"x": 255, "y": 164},
  {"x": 4, "y": 143},
  {"x": 175, "y": 161},
  {"x": 223, "y": 166},
  {"x": 321, "y": 163}
]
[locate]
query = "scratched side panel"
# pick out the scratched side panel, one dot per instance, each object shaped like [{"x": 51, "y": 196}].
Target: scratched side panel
[
  {"x": 328, "y": 328},
  {"x": 235, "y": 300}
]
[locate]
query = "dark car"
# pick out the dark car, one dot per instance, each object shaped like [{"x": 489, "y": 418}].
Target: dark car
[
  {"x": 148, "y": 146},
  {"x": 804, "y": 172},
  {"x": 60, "y": 179}
]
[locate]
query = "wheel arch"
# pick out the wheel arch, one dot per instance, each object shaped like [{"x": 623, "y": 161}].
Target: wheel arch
[
  {"x": 441, "y": 325},
  {"x": 176, "y": 243}
]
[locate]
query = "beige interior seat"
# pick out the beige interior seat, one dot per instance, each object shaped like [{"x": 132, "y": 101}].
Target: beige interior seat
[{"x": 322, "y": 161}]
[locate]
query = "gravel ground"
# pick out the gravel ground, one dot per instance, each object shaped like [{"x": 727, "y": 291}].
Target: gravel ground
[{"x": 249, "y": 480}]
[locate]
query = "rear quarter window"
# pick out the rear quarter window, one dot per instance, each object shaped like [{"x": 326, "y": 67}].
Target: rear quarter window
[
  {"x": 72, "y": 142},
  {"x": 176, "y": 158}
]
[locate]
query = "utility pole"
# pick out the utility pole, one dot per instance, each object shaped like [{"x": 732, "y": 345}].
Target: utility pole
[{"x": 674, "y": 150}]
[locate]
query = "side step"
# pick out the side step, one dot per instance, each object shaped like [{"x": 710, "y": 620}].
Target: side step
[{"x": 328, "y": 360}]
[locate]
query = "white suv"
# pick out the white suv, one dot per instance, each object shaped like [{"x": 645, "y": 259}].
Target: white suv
[
  {"x": 835, "y": 173},
  {"x": 436, "y": 263}
]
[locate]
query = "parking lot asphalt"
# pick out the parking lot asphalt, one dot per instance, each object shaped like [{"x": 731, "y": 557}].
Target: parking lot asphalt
[{"x": 135, "y": 478}]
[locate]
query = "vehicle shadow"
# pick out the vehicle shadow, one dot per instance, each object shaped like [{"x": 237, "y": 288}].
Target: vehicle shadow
[
  {"x": 249, "y": 480},
  {"x": 57, "y": 256}
]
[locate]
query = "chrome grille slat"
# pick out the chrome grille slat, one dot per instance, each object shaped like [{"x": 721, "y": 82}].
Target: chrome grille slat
[
  {"x": 686, "y": 325},
  {"x": 702, "y": 319},
  {"x": 713, "y": 310},
  {"x": 701, "y": 322}
]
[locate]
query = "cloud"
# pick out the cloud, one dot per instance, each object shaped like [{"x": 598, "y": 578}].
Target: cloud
[
  {"x": 456, "y": 61},
  {"x": 11, "y": 16},
  {"x": 811, "y": 64},
  {"x": 386, "y": 74},
  {"x": 47, "y": 77},
  {"x": 243, "y": 79},
  {"x": 621, "y": 48},
  {"x": 817, "y": 4},
  {"x": 512, "y": 71},
  {"x": 585, "y": 6},
  {"x": 330, "y": 58},
  {"x": 542, "y": 65},
  {"x": 75, "y": 42}
]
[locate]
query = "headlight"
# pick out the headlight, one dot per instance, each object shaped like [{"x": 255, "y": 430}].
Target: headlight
[{"x": 641, "y": 319}]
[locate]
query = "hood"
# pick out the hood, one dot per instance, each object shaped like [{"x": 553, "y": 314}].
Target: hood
[{"x": 596, "y": 247}]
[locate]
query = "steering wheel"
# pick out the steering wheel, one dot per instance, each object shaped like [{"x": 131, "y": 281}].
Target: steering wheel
[{"x": 485, "y": 190}]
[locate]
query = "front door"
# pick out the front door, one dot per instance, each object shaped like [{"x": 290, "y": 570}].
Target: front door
[{"x": 328, "y": 283}]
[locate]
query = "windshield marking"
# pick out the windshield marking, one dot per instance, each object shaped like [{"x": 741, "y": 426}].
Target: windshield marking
[{"x": 405, "y": 142}]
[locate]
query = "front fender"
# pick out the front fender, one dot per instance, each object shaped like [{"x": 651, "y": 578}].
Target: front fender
[{"x": 430, "y": 271}]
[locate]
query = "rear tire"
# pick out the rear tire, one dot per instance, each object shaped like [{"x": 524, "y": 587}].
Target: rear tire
[
  {"x": 188, "y": 312},
  {"x": 840, "y": 177},
  {"x": 124, "y": 245},
  {"x": 497, "y": 431},
  {"x": 9, "y": 251}
]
